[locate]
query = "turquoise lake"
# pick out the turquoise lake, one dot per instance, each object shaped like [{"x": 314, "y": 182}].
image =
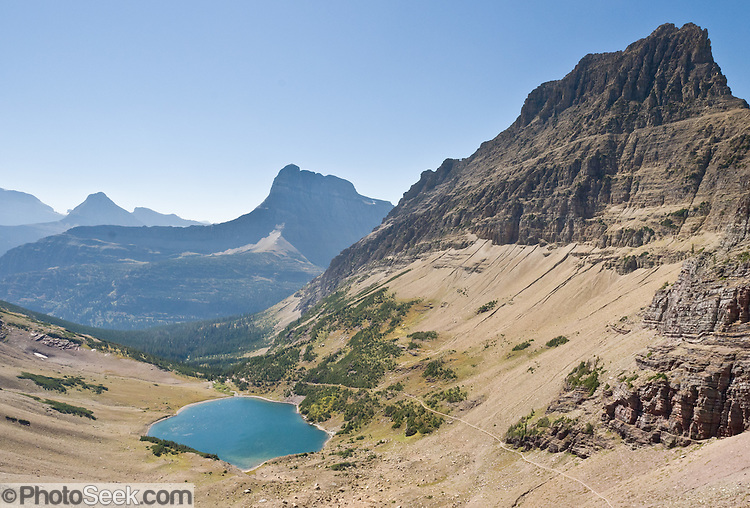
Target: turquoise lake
[{"x": 243, "y": 431}]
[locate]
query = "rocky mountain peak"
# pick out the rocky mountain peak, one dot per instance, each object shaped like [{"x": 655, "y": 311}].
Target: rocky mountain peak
[
  {"x": 293, "y": 180},
  {"x": 240, "y": 266},
  {"x": 652, "y": 130},
  {"x": 341, "y": 213},
  {"x": 669, "y": 75},
  {"x": 97, "y": 200},
  {"x": 98, "y": 209}
]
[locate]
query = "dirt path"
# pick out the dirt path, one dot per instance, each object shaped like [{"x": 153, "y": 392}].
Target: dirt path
[{"x": 511, "y": 450}]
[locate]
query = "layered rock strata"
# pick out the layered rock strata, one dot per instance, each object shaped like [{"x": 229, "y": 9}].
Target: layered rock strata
[{"x": 630, "y": 147}]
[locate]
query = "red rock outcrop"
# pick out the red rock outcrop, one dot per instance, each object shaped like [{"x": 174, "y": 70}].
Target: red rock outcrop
[
  {"x": 700, "y": 391},
  {"x": 700, "y": 386}
]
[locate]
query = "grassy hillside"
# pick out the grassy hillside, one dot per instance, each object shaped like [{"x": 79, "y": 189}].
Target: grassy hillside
[{"x": 207, "y": 343}]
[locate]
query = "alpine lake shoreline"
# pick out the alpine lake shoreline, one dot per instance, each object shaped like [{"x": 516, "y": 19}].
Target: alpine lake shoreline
[{"x": 236, "y": 395}]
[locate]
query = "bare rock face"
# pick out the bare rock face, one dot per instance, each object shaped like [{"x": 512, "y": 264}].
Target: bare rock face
[
  {"x": 700, "y": 391},
  {"x": 652, "y": 128},
  {"x": 701, "y": 385},
  {"x": 635, "y": 88},
  {"x": 562, "y": 435},
  {"x": 630, "y": 147},
  {"x": 710, "y": 297}
]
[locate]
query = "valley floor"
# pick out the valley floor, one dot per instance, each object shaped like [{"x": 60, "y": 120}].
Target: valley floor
[
  {"x": 56, "y": 447},
  {"x": 540, "y": 293}
]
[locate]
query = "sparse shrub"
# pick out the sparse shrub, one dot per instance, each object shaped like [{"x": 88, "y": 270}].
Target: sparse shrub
[
  {"x": 396, "y": 387},
  {"x": 436, "y": 370},
  {"x": 417, "y": 418},
  {"x": 340, "y": 466},
  {"x": 628, "y": 380},
  {"x": 309, "y": 354},
  {"x": 523, "y": 345},
  {"x": 451, "y": 396},
  {"x": 519, "y": 430},
  {"x": 668, "y": 223},
  {"x": 368, "y": 355},
  {"x": 164, "y": 446},
  {"x": 586, "y": 375},
  {"x": 487, "y": 307},
  {"x": 431, "y": 335},
  {"x": 61, "y": 385},
  {"x": 345, "y": 454},
  {"x": 357, "y": 407},
  {"x": 270, "y": 368},
  {"x": 11, "y": 419},
  {"x": 557, "y": 341},
  {"x": 222, "y": 388},
  {"x": 682, "y": 213},
  {"x": 64, "y": 408}
]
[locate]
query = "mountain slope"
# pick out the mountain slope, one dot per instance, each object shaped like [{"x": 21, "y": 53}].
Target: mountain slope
[
  {"x": 17, "y": 208},
  {"x": 603, "y": 155},
  {"x": 535, "y": 297},
  {"x": 641, "y": 156},
  {"x": 133, "y": 277},
  {"x": 131, "y": 295},
  {"x": 485, "y": 328},
  {"x": 88, "y": 417},
  {"x": 340, "y": 215},
  {"x": 319, "y": 215}
]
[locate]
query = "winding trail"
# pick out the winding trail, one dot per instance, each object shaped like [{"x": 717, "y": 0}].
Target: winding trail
[{"x": 511, "y": 450}]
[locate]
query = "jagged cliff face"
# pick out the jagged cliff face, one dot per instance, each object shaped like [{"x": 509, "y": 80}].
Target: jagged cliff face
[
  {"x": 700, "y": 390},
  {"x": 646, "y": 146},
  {"x": 701, "y": 382},
  {"x": 666, "y": 77},
  {"x": 604, "y": 156},
  {"x": 701, "y": 385}
]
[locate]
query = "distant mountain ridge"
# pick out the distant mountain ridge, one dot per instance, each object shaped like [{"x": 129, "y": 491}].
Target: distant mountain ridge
[
  {"x": 342, "y": 216},
  {"x": 149, "y": 217},
  {"x": 99, "y": 209},
  {"x": 20, "y": 227},
  {"x": 111, "y": 275},
  {"x": 18, "y": 208}
]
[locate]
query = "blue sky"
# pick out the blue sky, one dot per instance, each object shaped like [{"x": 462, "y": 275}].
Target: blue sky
[{"x": 192, "y": 107}]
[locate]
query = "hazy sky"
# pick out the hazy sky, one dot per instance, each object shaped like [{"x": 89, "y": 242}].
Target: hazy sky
[{"x": 192, "y": 107}]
